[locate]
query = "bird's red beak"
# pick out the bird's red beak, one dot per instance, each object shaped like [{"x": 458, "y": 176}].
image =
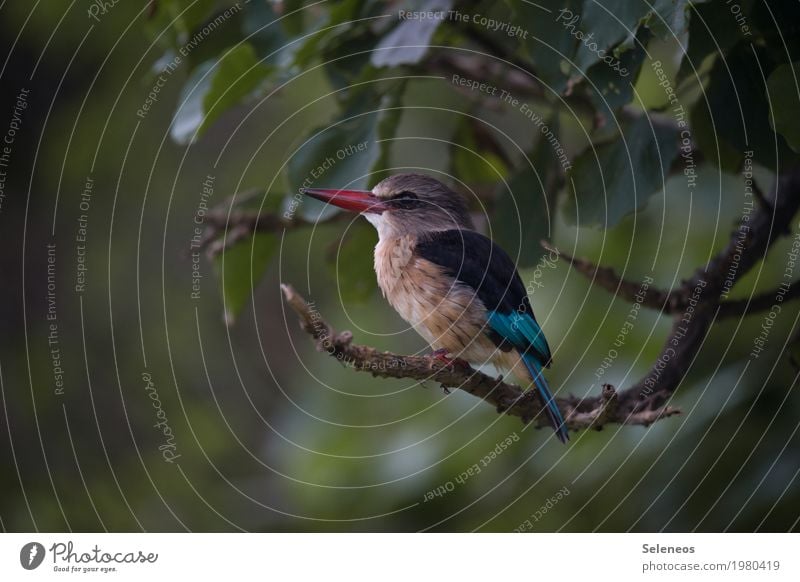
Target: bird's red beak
[{"x": 352, "y": 200}]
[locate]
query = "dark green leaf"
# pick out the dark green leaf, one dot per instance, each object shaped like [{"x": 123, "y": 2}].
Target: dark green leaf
[
  {"x": 671, "y": 17},
  {"x": 352, "y": 263},
  {"x": 778, "y": 23},
  {"x": 717, "y": 151},
  {"x": 605, "y": 24},
  {"x": 473, "y": 161},
  {"x": 712, "y": 30},
  {"x": 348, "y": 58},
  {"x": 240, "y": 268},
  {"x": 547, "y": 40},
  {"x": 785, "y": 103},
  {"x": 612, "y": 81},
  {"x": 595, "y": 35},
  {"x": 426, "y": 126},
  {"x": 391, "y": 113},
  {"x": 292, "y": 20},
  {"x": 189, "y": 113},
  {"x": 177, "y": 19},
  {"x": 263, "y": 30},
  {"x": 737, "y": 101},
  {"x": 270, "y": 34},
  {"x": 617, "y": 178},
  {"x": 215, "y": 87},
  {"x": 340, "y": 155},
  {"x": 522, "y": 215},
  {"x": 237, "y": 74},
  {"x": 337, "y": 21}
]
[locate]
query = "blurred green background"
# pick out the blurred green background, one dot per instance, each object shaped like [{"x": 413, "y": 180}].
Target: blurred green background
[{"x": 273, "y": 436}]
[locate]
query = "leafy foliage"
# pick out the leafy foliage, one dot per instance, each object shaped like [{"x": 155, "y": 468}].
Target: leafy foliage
[
  {"x": 729, "y": 74},
  {"x": 240, "y": 267},
  {"x": 784, "y": 99},
  {"x": 622, "y": 173}
]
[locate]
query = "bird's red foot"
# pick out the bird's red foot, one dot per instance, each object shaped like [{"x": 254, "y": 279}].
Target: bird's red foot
[{"x": 442, "y": 355}]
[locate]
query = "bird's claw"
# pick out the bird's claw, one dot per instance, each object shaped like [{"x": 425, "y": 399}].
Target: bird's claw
[{"x": 442, "y": 355}]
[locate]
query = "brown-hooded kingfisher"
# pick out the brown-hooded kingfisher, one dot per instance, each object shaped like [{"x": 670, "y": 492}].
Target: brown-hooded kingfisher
[{"x": 459, "y": 290}]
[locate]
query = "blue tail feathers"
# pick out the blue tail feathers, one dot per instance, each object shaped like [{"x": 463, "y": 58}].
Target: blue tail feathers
[{"x": 548, "y": 401}]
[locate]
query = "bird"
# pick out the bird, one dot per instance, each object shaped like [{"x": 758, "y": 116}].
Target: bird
[{"x": 458, "y": 289}]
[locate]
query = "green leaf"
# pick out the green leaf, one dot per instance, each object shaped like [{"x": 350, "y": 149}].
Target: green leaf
[
  {"x": 352, "y": 263},
  {"x": 213, "y": 88},
  {"x": 348, "y": 62},
  {"x": 671, "y": 17},
  {"x": 612, "y": 84},
  {"x": 617, "y": 178},
  {"x": 340, "y": 155},
  {"x": 737, "y": 100},
  {"x": 275, "y": 39},
  {"x": 596, "y": 35},
  {"x": 388, "y": 122},
  {"x": 472, "y": 159},
  {"x": 294, "y": 16},
  {"x": 189, "y": 113},
  {"x": 547, "y": 40},
  {"x": 606, "y": 24},
  {"x": 522, "y": 216},
  {"x": 179, "y": 17},
  {"x": 712, "y": 30},
  {"x": 240, "y": 267},
  {"x": 717, "y": 151},
  {"x": 408, "y": 42},
  {"x": 263, "y": 30},
  {"x": 785, "y": 103},
  {"x": 238, "y": 73},
  {"x": 336, "y": 22},
  {"x": 778, "y": 23}
]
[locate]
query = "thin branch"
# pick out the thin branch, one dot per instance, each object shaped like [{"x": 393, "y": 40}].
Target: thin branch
[
  {"x": 674, "y": 301},
  {"x": 593, "y": 412},
  {"x": 762, "y": 302},
  {"x": 606, "y": 278},
  {"x": 223, "y": 230}
]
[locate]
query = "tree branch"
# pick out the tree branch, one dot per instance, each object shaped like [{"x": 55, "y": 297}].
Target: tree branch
[
  {"x": 223, "y": 230},
  {"x": 606, "y": 278},
  {"x": 593, "y": 412},
  {"x": 670, "y": 302},
  {"x": 762, "y": 302},
  {"x": 695, "y": 306},
  {"x": 705, "y": 288}
]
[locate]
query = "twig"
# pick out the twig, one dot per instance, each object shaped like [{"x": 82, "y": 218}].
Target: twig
[
  {"x": 222, "y": 231},
  {"x": 762, "y": 302},
  {"x": 606, "y": 278},
  {"x": 669, "y": 302}
]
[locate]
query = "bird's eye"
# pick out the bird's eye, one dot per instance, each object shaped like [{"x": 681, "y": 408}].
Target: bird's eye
[{"x": 405, "y": 200}]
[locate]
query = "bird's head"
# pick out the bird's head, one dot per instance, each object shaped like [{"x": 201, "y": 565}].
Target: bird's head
[{"x": 402, "y": 204}]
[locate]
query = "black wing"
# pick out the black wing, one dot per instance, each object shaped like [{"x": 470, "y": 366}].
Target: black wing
[{"x": 473, "y": 259}]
